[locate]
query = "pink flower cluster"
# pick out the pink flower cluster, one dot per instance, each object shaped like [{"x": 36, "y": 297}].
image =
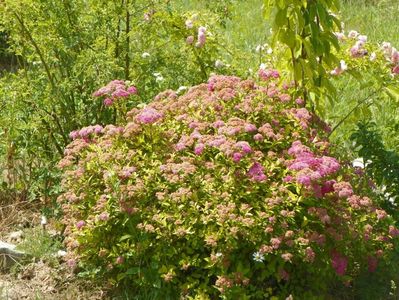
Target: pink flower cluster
[
  {"x": 310, "y": 168},
  {"x": 392, "y": 55},
  {"x": 201, "y": 37},
  {"x": 148, "y": 115},
  {"x": 339, "y": 262},
  {"x": 358, "y": 49},
  {"x": 267, "y": 74},
  {"x": 115, "y": 90},
  {"x": 255, "y": 172},
  {"x": 86, "y": 132}
]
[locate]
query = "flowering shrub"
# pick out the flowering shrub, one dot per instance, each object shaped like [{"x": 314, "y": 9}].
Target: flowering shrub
[
  {"x": 380, "y": 61},
  {"x": 228, "y": 190}
]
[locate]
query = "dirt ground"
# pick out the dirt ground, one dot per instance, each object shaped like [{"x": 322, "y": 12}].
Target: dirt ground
[{"x": 37, "y": 279}]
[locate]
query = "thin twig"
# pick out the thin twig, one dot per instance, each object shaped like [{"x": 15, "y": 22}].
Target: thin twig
[{"x": 353, "y": 109}]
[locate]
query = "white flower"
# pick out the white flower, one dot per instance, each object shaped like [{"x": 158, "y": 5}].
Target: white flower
[
  {"x": 219, "y": 254},
  {"x": 181, "y": 89},
  {"x": 392, "y": 200},
  {"x": 43, "y": 220},
  {"x": 259, "y": 48},
  {"x": 362, "y": 38},
  {"x": 358, "y": 163},
  {"x": 262, "y": 66},
  {"x": 269, "y": 51},
  {"x": 259, "y": 257},
  {"x": 145, "y": 55},
  {"x": 334, "y": 72},
  {"x": 340, "y": 35},
  {"x": 387, "y": 47},
  {"x": 158, "y": 76},
  {"x": 189, "y": 24},
  {"x": 202, "y": 29},
  {"x": 344, "y": 67},
  {"x": 353, "y": 34},
  {"x": 61, "y": 253},
  {"x": 373, "y": 56},
  {"x": 219, "y": 64}
]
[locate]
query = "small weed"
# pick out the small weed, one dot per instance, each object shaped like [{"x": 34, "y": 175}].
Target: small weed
[{"x": 39, "y": 244}]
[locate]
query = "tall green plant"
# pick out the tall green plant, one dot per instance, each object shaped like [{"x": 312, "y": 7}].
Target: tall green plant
[
  {"x": 307, "y": 29},
  {"x": 70, "y": 48}
]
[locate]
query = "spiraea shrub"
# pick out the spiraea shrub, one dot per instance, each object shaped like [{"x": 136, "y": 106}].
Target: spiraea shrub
[{"x": 227, "y": 191}]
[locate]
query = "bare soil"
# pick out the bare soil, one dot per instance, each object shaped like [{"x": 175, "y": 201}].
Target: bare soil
[{"x": 38, "y": 280}]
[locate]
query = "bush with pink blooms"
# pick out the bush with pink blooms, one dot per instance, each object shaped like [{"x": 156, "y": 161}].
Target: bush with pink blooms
[{"x": 229, "y": 190}]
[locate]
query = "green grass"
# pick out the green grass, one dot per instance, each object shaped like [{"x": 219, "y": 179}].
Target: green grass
[
  {"x": 39, "y": 244},
  {"x": 377, "y": 19}
]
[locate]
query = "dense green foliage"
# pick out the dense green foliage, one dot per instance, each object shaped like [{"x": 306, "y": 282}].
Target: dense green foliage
[{"x": 54, "y": 55}]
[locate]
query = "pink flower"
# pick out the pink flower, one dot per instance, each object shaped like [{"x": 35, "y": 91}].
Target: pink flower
[
  {"x": 327, "y": 187},
  {"x": 148, "y": 115},
  {"x": 190, "y": 40},
  {"x": 80, "y": 224},
  {"x": 74, "y": 135},
  {"x": 299, "y": 101},
  {"x": 258, "y": 137},
  {"x": 381, "y": 214},
  {"x": 132, "y": 90},
  {"x": 199, "y": 148},
  {"x": 395, "y": 70},
  {"x": 120, "y": 93},
  {"x": 218, "y": 124},
  {"x": 108, "y": 101},
  {"x": 372, "y": 263},
  {"x": 343, "y": 189},
  {"x": 340, "y": 36},
  {"x": 201, "y": 37},
  {"x": 127, "y": 172},
  {"x": 284, "y": 274},
  {"x": 244, "y": 146},
  {"x": 72, "y": 263},
  {"x": 250, "y": 127},
  {"x": 266, "y": 74},
  {"x": 285, "y": 98},
  {"x": 393, "y": 231},
  {"x": 103, "y": 216},
  {"x": 287, "y": 256},
  {"x": 309, "y": 254},
  {"x": 362, "y": 38},
  {"x": 237, "y": 157},
  {"x": 101, "y": 92},
  {"x": 275, "y": 242},
  {"x": 120, "y": 260},
  {"x": 395, "y": 56},
  {"x": 304, "y": 179},
  {"x": 339, "y": 263},
  {"x": 255, "y": 173}
]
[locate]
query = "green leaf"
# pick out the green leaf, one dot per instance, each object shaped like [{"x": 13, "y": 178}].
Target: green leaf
[
  {"x": 392, "y": 92},
  {"x": 125, "y": 237}
]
